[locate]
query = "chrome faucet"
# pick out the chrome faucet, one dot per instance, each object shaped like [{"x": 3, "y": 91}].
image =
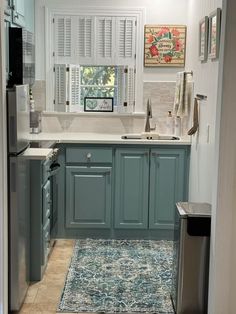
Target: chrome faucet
[{"x": 148, "y": 116}]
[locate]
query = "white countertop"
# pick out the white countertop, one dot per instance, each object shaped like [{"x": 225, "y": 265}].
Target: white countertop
[
  {"x": 38, "y": 153},
  {"x": 99, "y": 138}
]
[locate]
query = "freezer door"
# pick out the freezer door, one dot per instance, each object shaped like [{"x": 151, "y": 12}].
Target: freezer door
[
  {"x": 19, "y": 227},
  {"x": 18, "y": 118}
]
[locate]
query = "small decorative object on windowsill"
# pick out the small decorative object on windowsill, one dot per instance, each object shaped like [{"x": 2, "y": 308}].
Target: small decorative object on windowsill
[
  {"x": 214, "y": 34},
  {"x": 98, "y": 104},
  {"x": 203, "y": 39},
  {"x": 165, "y": 45}
]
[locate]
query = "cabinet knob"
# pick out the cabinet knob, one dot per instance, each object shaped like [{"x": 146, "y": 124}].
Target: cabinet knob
[{"x": 89, "y": 156}]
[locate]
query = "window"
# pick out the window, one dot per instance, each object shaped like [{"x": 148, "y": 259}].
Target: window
[
  {"x": 98, "y": 81},
  {"x": 73, "y": 83},
  {"x": 95, "y": 55}
]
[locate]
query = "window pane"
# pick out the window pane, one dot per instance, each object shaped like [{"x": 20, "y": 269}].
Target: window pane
[
  {"x": 98, "y": 92},
  {"x": 100, "y": 75}
]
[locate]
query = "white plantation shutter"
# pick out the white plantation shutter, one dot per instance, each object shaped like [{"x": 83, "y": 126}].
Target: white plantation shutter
[
  {"x": 60, "y": 90},
  {"x": 64, "y": 51},
  {"x": 131, "y": 88},
  {"x": 125, "y": 40},
  {"x": 85, "y": 40},
  {"x": 105, "y": 39},
  {"x": 126, "y": 88},
  {"x": 74, "y": 88},
  {"x": 120, "y": 86}
]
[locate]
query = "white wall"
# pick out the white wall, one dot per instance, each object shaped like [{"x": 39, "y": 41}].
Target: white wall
[
  {"x": 223, "y": 239},
  {"x": 206, "y": 80},
  {"x": 157, "y": 12}
]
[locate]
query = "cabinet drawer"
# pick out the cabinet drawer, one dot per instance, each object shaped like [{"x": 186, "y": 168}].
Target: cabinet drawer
[{"x": 88, "y": 155}]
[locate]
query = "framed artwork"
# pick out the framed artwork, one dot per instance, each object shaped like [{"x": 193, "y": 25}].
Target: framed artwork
[
  {"x": 214, "y": 34},
  {"x": 98, "y": 104},
  {"x": 203, "y": 39},
  {"x": 164, "y": 45}
]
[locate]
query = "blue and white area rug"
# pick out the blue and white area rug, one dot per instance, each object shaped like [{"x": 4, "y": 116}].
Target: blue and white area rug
[{"x": 119, "y": 276}]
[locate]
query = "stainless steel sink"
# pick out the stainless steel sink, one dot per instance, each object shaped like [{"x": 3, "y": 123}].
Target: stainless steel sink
[{"x": 150, "y": 136}]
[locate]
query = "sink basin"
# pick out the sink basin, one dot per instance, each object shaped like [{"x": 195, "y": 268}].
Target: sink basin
[{"x": 150, "y": 136}]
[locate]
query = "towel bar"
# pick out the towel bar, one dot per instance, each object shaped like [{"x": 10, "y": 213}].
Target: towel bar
[{"x": 201, "y": 97}]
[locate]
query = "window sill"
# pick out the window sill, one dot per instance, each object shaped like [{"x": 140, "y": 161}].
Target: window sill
[{"x": 94, "y": 114}]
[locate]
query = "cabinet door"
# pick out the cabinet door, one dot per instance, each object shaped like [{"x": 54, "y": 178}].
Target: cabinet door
[
  {"x": 166, "y": 186},
  {"x": 19, "y": 12},
  {"x": 131, "y": 188},
  {"x": 88, "y": 197}
]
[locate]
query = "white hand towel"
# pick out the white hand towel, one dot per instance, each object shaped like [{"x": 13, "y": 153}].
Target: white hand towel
[{"x": 183, "y": 94}]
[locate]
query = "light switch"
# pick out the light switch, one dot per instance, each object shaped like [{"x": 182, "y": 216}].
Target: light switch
[{"x": 208, "y": 134}]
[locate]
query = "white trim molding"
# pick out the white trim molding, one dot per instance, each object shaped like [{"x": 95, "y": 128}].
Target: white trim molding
[{"x": 3, "y": 177}]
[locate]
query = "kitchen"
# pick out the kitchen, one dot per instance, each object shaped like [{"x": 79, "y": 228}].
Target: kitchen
[{"x": 199, "y": 154}]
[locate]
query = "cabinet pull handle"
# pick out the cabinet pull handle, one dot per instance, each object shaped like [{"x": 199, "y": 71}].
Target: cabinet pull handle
[{"x": 89, "y": 156}]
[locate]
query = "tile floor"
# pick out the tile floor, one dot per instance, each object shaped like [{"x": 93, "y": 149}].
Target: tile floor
[{"x": 43, "y": 297}]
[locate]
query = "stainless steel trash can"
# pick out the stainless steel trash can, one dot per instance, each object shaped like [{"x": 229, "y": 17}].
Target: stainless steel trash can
[{"x": 191, "y": 258}]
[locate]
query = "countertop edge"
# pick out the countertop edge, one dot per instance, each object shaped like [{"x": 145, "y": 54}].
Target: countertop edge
[{"x": 71, "y": 138}]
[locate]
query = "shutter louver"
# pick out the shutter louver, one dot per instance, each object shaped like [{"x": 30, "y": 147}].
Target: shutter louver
[
  {"x": 60, "y": 87},
  {"x": 74, "y": 86},
  {"x": 105, "y": 40},
  {"x": 85, "y": 54},
  {"x": 63, "y": 32},
  {"x": 125, "y": 41}
]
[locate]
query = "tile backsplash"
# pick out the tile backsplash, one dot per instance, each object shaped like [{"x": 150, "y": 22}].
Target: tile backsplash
[
  {"x": 160, "y": 93},
  {"x": 162, "y": 99}
]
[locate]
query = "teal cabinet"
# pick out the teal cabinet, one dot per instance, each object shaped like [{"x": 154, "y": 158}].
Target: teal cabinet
[
  {"x": 131, "y": 188},
  {"x": 88, "y": 197},
  {"x": 7, "y": 10},
  {"x": 167, "y": 183},
  {"x": 18, "y": 17},
  {"x": 30, "y": 15}
]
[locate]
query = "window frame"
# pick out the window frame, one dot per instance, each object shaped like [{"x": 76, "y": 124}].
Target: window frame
[{"x": 51, "y": 11}]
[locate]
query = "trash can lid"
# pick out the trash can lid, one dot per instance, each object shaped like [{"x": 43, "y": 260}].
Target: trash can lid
[{"x": 189, "y": 209}]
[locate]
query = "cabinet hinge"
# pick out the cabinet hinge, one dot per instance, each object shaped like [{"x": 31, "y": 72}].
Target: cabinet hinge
[
  {"x": 134, "y": 71},
  {"x": 53, "y": 54},
  {"x": 135, "y": 23},
  {"x": 135, "y": 56},
  {"x": 54, "y": 69},
  {"x": 53, "y": 20},
  {"x": 67, "y": 69},
  {"x": 126, "y": 70},
  {"x": 67, "y": 103},
  {"x": 54, "y": 101}
]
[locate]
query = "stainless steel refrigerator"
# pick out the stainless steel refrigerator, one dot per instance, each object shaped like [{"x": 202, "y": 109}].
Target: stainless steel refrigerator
[{"x": 18, "y": 194}]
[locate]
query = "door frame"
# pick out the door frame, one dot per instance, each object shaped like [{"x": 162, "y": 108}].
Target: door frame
[{"x": 3, "y": 174}]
